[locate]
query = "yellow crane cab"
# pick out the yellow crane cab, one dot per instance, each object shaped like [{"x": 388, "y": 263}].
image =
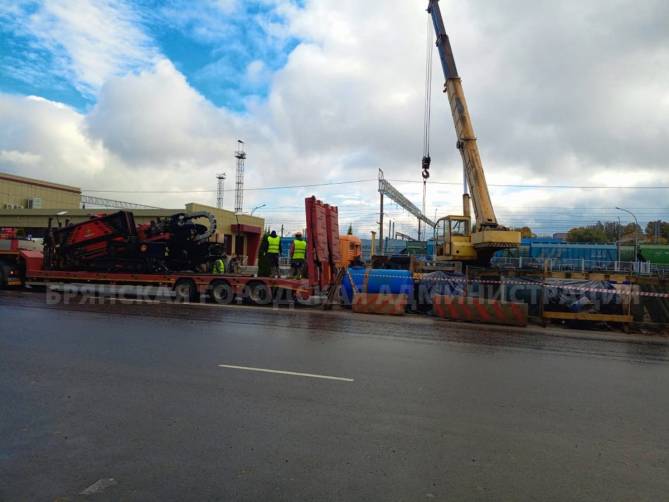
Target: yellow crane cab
[{"x": 452, "y": 239}]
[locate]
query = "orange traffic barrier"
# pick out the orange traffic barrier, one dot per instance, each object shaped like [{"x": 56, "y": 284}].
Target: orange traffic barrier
[
  {"x": 379, "y": 303},
  {"x": 463, "y": 308}
]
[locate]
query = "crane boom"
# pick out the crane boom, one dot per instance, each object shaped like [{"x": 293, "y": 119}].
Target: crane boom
[{"x": 473, "y": 167}]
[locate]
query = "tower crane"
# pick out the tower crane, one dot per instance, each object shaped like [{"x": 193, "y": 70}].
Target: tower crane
[{"x": 455, "y": 239}]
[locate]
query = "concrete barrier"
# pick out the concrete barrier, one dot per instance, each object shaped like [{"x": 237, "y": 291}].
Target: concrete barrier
[
  {"x": 462, "y": 308},
  {"x": 382, "y": 303}
]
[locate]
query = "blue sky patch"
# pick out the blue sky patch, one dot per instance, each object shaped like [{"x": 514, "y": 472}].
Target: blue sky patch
[{"x": 227, "y": 50}]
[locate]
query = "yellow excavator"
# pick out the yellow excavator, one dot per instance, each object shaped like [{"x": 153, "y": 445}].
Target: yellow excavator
[{"x": 455, "y": 239}]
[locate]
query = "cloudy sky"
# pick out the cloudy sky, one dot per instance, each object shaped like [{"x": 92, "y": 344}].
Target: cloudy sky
[{"x": 143, "y": 101}]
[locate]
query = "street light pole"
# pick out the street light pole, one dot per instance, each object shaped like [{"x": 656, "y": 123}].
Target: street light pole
[
  {"x": 256, "y": 208},
  {"x": 636, "y": 233}
]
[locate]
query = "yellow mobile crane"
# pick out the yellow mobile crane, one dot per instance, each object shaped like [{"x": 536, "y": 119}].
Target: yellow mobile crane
[{"x": 454, "y": 237}]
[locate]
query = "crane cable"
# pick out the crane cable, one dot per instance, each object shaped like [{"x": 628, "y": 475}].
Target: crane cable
[
  {"x": 427, "y": 113},
  {"x": 428, "y": 101}
]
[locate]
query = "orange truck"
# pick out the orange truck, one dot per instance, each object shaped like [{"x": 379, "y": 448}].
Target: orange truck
[{"x": 350, "y": 248}]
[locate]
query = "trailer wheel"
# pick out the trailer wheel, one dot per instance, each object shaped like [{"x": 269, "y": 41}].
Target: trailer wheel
[
  {"x": 185, "y": 291},
  {"x": 259, "y": 293},
  {"x": 222, "y": 293}
]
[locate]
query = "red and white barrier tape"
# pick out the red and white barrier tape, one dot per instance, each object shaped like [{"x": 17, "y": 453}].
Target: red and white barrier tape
[{"x": 627, "y": 292}]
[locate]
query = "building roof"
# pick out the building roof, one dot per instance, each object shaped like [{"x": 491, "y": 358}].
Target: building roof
[{"x": 39, "y": 183}]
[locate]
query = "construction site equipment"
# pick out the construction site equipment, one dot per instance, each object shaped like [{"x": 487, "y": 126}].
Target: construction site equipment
[
  {"x": 598, "y": 301},
  {"x": 108, "y": 252},
  {"x": 322, "y": 242},
  {"x": 359, "y": 279},
  {"x": 454, "y": 235},
  {"x": 112, "y": 242},
  {"x": 371, "y": 291}
]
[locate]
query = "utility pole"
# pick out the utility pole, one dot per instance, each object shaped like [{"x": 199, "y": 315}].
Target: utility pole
[
  {"x": 618, "y": 244},
  {"x": 381, "y": 224},
  {"x": 372, "y": 249}
]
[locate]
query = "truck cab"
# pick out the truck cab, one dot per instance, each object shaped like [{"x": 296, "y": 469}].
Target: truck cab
[{"x": 10, "y": 269}]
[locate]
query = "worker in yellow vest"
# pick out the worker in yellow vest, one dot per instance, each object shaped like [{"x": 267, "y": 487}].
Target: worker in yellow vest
[
  {"x": 298, "y": 252},
  {"x": 273, "y": 253},
  {"x": 219, "y": 266}
]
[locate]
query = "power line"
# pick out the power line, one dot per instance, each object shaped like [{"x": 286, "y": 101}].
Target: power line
[
  {"x": 352, "y": 182},
  {"x": 510, "y": 185},
  {"x": 285, "y": 187}
]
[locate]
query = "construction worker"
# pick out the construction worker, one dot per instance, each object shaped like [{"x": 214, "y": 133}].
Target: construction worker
[
  {"x": 298, "y": 252},
  {"x": 219, "y": 266},
  {"x": 273, "y": 253}
]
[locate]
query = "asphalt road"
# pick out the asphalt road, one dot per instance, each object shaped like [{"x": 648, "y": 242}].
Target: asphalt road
[{"x": 423, "y": 409}]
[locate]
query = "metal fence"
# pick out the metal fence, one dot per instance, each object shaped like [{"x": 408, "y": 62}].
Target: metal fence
[{"x": 582, "y": 265}]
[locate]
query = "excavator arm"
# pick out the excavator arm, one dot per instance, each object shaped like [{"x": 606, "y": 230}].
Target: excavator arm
[{"x": 473, "y": 167}]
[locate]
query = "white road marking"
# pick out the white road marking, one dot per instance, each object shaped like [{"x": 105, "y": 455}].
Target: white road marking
[
  {"x": 98, "y": 486},
  {"x": 292, "y": 373}
]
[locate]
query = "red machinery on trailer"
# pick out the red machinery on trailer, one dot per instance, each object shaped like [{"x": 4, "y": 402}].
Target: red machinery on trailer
[{"x": 59, "y": 267}]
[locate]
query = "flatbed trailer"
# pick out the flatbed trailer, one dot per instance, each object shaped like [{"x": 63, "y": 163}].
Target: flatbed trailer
[
  {"x": 321, "y": 256},
  {"x": 185, "y": 286}
]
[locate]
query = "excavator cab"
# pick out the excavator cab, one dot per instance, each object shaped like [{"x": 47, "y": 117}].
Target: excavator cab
[{"x": 452, "y": 239}]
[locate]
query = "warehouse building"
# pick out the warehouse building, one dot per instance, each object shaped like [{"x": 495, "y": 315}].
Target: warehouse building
[
  {"x": 27, "y": 205},
  {"x": 17, "y": 192}
]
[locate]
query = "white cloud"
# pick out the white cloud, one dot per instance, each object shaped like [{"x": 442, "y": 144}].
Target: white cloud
[
  {"x": 46, "y": 139},
  {"x": 88, "y": 41},
  {"x": 19, "y": 159},
  {"x": 551, "y": 103},
  {"x": 156, "y": 117}
]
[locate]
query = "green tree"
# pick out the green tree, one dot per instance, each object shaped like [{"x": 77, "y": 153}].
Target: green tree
[
  {"x": 659, "y": 229},
  {"x": 591, "y": 234},
  {"x": 607, "y": 232},
  {"x": 350, "y": 229}
]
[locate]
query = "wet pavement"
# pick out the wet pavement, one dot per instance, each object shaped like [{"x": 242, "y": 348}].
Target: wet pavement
[{"x": 421, "y": 409}]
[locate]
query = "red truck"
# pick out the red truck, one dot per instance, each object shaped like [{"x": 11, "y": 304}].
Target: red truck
[
  {"x": 10, "y": 262},
  {"x": 28, "y": 267}
]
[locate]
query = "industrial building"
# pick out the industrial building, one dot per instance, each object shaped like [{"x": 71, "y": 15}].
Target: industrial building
[
  {"x": 28, "y": 204},
  {"x": 17, "y": 192}
]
